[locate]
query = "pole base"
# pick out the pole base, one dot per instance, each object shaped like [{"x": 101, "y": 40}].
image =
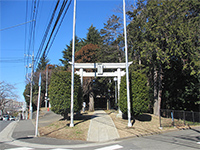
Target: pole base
[
  {"x": 71, "y": 125},
  {"x": 129, "y": 124}
]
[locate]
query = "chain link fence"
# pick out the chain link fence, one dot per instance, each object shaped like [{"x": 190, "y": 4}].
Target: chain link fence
[{"x": 169, "y": 118}]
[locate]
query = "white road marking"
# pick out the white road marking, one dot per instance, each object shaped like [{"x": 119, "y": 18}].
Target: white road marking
[
  {"x": 60, "y": 149},
  {"x": 27, "y": 148},
  {"x": 113, "y": 147},
  {"x": 21, "y": 148}
]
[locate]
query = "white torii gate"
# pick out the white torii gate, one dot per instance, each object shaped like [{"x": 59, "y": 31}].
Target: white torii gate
[{"x": 100, "y": 73}]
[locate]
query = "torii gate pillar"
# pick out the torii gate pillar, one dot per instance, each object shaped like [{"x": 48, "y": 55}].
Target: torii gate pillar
[
  {"x": 81, "y": 74},
  {"x": 118, "y": 87}
]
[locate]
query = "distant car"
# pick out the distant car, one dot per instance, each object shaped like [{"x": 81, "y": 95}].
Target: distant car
[
  {"x": 12, "y": 118},
  {"x": 5, "y": 117}
]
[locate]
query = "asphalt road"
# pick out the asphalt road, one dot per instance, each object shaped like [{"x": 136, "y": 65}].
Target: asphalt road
[
  {"x": 176, "y": 140},
  {"x": 3, "y": 124}
]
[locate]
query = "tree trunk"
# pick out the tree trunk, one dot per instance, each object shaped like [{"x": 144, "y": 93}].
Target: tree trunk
[
  {"x": 160, "y": 77},
  {"x": 65, "y": 115},
  {"x": 157, "y": 90},
  {"x": 91, "y": 101},
  {"x": 108, "y": 104},
  {"x": 155, "y": 94}
]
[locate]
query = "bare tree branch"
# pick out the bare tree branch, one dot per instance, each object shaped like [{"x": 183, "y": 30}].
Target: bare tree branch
[{"x": 6, "y": 94}]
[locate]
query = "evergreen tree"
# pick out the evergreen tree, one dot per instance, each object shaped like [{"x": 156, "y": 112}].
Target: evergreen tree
[
  {"x": 181, "y": 89},
  {"x": 93, "y": 36},
  {"x": 136, "y": 32},
  {"x": 163, "y": 36},
  {"x": 67, "y": 52},
  {"x": 112, "y": 40},
  {"x": 60, "y": 93},
  {"x": 139, "y": 93},
  {"x": 43, "y": 63},
  {"x": 170, "y": 34}
]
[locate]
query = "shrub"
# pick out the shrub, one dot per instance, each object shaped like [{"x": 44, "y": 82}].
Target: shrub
[
  {"x": 139, "y": 93},
  {"x": 60, "y": 93}
]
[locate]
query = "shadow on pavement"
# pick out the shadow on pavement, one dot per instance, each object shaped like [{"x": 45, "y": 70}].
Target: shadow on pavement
[
  {"x": 195, "y": 130},
  {"x": 24, "y": 138}
]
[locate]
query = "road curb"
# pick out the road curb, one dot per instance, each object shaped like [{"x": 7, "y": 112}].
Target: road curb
[{"x": 6, "y": 133}]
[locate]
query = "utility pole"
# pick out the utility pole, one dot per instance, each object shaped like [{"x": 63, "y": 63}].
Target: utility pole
[
  {"x": 38, "y": 107},
  {"x": 73, "y": 58},
  {"x": 127, "y": 72},
  {"x": 31, "y": 91},
  {"x": 46, "y": 94}
]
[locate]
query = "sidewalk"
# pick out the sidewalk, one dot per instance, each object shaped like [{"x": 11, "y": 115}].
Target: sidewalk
[
  {"x": 25, "y": 130},
  {"x": 46, "y": 118},
  {"x": 102, "y": 128}
]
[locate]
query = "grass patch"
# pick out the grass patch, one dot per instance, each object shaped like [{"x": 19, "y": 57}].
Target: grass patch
[
  {"x": 62, "y": 130},
  {"x": 145, "y": 124}
]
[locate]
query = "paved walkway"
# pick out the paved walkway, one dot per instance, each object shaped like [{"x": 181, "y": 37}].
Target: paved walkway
[
  {"x": 102, "y": 128},
  {"x": 46, "y": 118}
]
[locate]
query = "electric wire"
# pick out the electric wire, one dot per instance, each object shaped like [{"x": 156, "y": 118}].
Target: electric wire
[
  {"x": 46, "y": 32},
  {"x": 37, "y": 59},
  {"x": 30, "y": 34},
  {"x": 35, "y": 17},
  {"x": 26, "y": 18},
  {"x": 58, "y": 18},
  {"x": 27, "y": 55},
  {"x": 31, "y": 41},
  {"x": 31, "y": 28},
  {"x": 58, "y": 28},
  {"x": 55, "y": 28},
  {"x": 16, "y": 25},
  {"x": 12, "y": 60}
]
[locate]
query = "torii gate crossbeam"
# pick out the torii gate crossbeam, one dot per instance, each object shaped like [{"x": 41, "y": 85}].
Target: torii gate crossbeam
[{"x": 105, "y": 65}]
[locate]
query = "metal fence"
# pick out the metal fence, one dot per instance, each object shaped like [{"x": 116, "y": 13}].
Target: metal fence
[{"x": 170, "y": 118}]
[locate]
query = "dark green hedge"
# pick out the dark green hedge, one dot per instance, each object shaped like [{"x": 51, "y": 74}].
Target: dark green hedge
[
  {"x": 139, "y": 93},
  {"x": 60, "y": 93}
]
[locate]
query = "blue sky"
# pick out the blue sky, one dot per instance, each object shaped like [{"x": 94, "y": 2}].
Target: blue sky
[{"x": 13, "y": 45}]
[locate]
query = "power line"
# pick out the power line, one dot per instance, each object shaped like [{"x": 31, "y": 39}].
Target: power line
[
  {"x": 20, "y": 60},
  {"x": 32, "y": 25},
  {"x": 46, "y": 32},
  {"x": 12, "y": 49},
  {"x": 56, "y": 27},
  {"x": 58, "y": 18},
  {"x": 31, "y": 40},
  {"x": 53, "y": 33},
  {"x": 16, "y": 25},
  {"x": 26, "y": 18}
]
